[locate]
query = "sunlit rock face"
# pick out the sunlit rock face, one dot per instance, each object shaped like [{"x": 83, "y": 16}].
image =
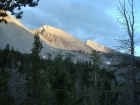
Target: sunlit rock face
[
  {"x": 59, "y": 39},
  {"x": 99, "y": 47}
]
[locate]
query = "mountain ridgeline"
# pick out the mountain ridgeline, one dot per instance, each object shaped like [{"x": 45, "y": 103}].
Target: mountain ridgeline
[
  {"x": 59, "y": 39},
  {"x": 53, "y": 39},
  {"x": 99, "y": 47}
]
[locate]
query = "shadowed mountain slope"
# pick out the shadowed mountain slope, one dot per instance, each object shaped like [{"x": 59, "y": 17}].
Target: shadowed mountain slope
[{"x": 16, "y": 35}]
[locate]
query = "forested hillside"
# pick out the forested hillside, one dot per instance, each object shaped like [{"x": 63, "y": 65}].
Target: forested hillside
[{"x": 28, "y": 79}]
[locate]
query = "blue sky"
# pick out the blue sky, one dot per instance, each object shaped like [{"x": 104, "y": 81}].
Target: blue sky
[{"x": 83, "y": 19}]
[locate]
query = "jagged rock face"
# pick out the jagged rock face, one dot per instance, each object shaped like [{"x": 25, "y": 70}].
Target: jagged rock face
[
  {"x": 62, "y": 40},
  {"x": 99, "y": 47}
]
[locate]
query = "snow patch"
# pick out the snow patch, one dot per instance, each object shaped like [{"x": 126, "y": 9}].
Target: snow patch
[
  {"x": 52, "y": 49},
  {"x": 44, "y": 57},
  {"x": 108, "y": 62}
]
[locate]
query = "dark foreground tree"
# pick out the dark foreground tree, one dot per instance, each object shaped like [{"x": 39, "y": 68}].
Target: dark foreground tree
[
  {"x": 35, "y": 77},
  {"x": 10, "y": 5},
  {"x": 60, "y": 84},
  {"x": 127, "y": 20},
  {"x": 5, "y": 95}
]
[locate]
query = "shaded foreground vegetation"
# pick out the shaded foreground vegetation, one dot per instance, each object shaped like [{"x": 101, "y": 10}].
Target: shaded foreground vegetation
[{"x": 27, "y": 79}]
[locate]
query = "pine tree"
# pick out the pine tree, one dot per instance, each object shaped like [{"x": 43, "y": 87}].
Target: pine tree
[
  {"x": 4, "y": 55},
  {"x": 17, "y": 86},
  {"x": 35, "y": 77},
  {"x": 21, "y": 66},
  {"x": 5, "y": 96},
  {"x": 60, "y": 84}
]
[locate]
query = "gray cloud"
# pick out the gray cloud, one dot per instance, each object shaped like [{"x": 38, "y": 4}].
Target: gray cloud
[{"x": 84, "y": 19}]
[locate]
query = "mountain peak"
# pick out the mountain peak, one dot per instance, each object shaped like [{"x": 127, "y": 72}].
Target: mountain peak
[
  {"x": 58, "y": 38},
  {"x": 99, "y": 47},
  {"x": 45, "y": 26}
]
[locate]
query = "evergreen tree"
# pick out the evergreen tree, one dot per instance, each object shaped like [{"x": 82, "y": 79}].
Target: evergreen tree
[
  {"x": 95, "y": 73},
  {"x": 17, "y": 86},
  {"x": 60, "y": 84},
  {"x": 98, "y": 81},
  {"x": 21, "y": 66},
  {"x": 36, "y": 50},
  {"x": 5, "y": 96},
  {"x": 4, "y": 54},
  {"x": 1, "y": 60},
  {"x": 35, "y": 77},
  {"x": 7, "y": 48},
  {"x": 12, "y": 49}
]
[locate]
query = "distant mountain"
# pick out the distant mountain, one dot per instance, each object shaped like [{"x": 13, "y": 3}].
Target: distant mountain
[
  {"x": 99, "y": 47},
  {"x": 21, "y": 38},
  {"x": 18, "y": 36},
  {"x": 59, "y": 39}
]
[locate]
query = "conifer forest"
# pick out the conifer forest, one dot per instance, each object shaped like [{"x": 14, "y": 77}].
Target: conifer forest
[{"x": 28, "y": 79}]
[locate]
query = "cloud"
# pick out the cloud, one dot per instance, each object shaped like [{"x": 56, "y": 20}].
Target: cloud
[{"x": 84, "y": 19}]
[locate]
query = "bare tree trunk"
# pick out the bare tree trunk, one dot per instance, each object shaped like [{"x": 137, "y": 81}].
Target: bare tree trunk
[
  {"x": 135, "y": 93},
  {"x": 127, "y": 19}
]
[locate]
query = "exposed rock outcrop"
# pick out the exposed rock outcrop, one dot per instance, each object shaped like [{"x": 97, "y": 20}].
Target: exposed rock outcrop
[
  {"x": 62, "y": 40},
  {"x": 99, "y": 47}
]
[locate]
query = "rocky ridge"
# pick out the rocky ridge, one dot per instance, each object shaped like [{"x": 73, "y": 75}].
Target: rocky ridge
[
  {"x": 21, "y": 38},
  {"x": 99, "y": 47},
  {"x": 59, "y": 39}
]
